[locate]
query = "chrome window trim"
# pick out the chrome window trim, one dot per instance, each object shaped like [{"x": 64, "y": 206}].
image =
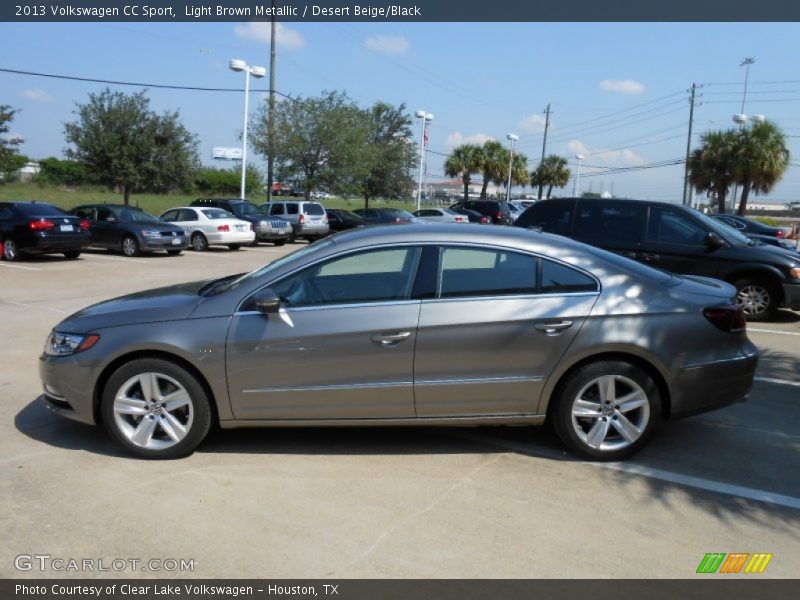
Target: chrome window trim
[{"x": 333, "y": 306}]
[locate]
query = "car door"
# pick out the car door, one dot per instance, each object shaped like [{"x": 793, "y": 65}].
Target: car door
[
  {"x": 105, "y": 230},
  {"x": 341, "y": 348},
  {"x": 497, "y": 326},
  {"x": 677, "y": 242},
  {"x": 615, "y": 225}
]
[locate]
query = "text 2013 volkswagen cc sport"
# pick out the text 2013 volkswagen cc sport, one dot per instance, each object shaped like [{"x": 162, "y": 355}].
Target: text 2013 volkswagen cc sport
[{"x": 417, "y": 325}]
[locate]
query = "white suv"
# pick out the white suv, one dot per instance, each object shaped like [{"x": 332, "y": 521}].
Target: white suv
[{"x": 309, "y": 219}]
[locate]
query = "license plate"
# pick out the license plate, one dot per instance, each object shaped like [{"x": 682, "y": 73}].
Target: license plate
[
  {"x": 176, "y": 241},
  {"x": 67, "y": 228}
]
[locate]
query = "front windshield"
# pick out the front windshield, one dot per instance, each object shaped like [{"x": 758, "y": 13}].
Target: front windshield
[
  {"x": 727, "y": 232},
  {"x": 261, "y": 271},
  {"x": 246, "y": 209},
  {"x": 136, "y": 215}
]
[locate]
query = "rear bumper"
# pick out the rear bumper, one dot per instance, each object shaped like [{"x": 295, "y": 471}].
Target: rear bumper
[
  {"x": 711, "y": 385},
  {"x": 47, "y": 243},
  {"x": 231, "y": 237},
  {"x": 791, "y": 295},
  {"x": 303, "y": 229}
]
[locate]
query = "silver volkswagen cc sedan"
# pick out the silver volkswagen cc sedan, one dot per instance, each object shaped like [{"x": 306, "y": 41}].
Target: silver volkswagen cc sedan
[{"x": 418, "y": 325}]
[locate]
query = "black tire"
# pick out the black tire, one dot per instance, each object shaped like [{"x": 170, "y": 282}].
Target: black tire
[
  {"x": 279, "y": 242},
  {"x": 292, "y": 238},
  {"x": 72, "y": 254},
  {"x": 200, "y": 405},
  {"x": 174, "y": 252},
  {"x": 254, "y": 243},
  {"x": 130, "y": 246},
  {"x": 234, "y": 247},
  {"x": 10, "y": 250},
  {"x": 199, "y": 242},
  {"x": 648, "y": 417},
  {"x": 757, "y": 297}
]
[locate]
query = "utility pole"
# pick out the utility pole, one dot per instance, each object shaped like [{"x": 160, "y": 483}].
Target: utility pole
[
  {"x": 544, "y": 145},
  {"x": 686, "y": 190},
  {"x": 271, "y": 115}
]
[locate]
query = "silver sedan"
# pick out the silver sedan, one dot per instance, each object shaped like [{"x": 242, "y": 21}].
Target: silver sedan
[
  {"x": 440, "y": 215},
  {"x": 417, "y": 325}
]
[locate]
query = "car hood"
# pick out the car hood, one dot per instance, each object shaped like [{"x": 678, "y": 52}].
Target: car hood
[{"x": 161, "y": 304}]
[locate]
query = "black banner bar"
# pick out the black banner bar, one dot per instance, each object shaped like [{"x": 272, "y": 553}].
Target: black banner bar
[{"x": 322, "y": 11}]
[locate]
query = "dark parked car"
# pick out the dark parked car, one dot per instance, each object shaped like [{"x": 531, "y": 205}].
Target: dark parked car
[
  {"x": 385, "y": 216},
  {"x": 748, "y": 226},
  {"x": 37, "y": 228},
  {"x": 473, "y": 215},
  {"x": 429, "y": 324},
  {"x": 267, "y": 229},
  {"x": 497, "y": 211},
  {"x": 340, "y": 220},
  {"x": 678, "y": 239},
  {"x": 130, "y": 230}
]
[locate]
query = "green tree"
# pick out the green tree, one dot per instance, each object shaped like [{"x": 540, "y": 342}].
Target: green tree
[
  {"x": 212, "y": 181},
  {"x": 319, "y": 142},
  {"x": 711, "y": 165},
  {"x": 63, "y": 172},
  {"x": 127, "y": 145},
  {"x": 9, "y": 158},
  {"x": 390, "y": 154},
  {"x": 464, "y": 161},
  {"x": 519, "y": 170},
  {"x": 551, "y": 172},
  {"x": 761, "y": 159}
]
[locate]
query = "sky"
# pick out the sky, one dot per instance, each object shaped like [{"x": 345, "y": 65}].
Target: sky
[{"x": 618, "y": 92}]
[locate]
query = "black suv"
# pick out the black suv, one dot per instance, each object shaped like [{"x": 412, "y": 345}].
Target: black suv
[
  {"x": 266, "y": 228},
  {"x": 678, "y": 239},
  {"x": 497, "y": 211}
]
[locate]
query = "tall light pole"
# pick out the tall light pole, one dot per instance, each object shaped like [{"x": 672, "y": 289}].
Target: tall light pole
[
  {"x": 271, "y": 116},
  {"x": 577, "y": 175},
  {"x": 239, "y": 66},
  {"x": 742, "y": 118},
  {"x": 424, "y": 117},
  {"x": 513, "y": 137}
]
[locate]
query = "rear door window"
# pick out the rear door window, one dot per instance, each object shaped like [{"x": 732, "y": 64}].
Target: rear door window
[
  {"x": 614, "y": 222},
  {"x": 551, "y": 216},
  {"x": 187, "y": 215},
  {"x": 292, "y": 208}
]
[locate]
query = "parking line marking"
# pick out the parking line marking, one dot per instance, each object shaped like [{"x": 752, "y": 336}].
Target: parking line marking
[
  {"x": 685, "y": 480},
  {"x": 777, "y": 381},
  {"x": 115, "y": 258},
  {"x": 5, "y": 264},
  {"x": 773, "y": 331},
  {"x": 15, "y": 303}
]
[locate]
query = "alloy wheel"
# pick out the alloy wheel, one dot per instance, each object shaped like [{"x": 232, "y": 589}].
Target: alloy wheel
[
  {"x": 10, "y": 250},
  {"x": 153, "y": 411},
  {"x": 610, "y": 412},
  {"x": 129, "y": 246},
  {"x": 754, "y": 299}
]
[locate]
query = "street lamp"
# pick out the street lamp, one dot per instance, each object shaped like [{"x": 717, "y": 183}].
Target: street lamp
[
  {"x": 513, "y": 137},
  {"x": 239, "y": 66},
  {"x": 424, "y": 117},
  {"x": 577, "y": 175}
]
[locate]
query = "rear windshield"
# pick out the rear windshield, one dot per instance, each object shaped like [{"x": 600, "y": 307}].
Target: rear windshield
[
  {"x": 310, "y": 208},
  {"x": 39, "y": 210},
  {"x": 216, "y": 213}
]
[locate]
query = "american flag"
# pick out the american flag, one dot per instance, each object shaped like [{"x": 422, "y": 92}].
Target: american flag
[{"x": 425, "y": 135}]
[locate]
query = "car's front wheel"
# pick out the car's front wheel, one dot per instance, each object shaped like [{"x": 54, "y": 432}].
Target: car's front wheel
[
  {"x": 130, "y": 247},
  {"x": 606, "y": 410},
  {"x": 156, "y": 409}
]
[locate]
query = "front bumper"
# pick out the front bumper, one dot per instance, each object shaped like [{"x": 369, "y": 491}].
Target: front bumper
[
  {"x": 164, "y": 242},
  {"x": 714, "y": 384},
  {"x": 68, "y": 387},
  {"x": 791, "y": 295},
  {"x": 269, "y": 235}
]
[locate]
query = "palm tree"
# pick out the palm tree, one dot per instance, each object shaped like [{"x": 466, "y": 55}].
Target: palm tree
[
  {"x": 761, "y": 160},
  {"x": 463, "y": 161},
  {"x": 551, "y": 172},
  {"x": 711, "y": 165},
  {"x": 494, "y": 160},
  {"x": 519, "y": 171}
]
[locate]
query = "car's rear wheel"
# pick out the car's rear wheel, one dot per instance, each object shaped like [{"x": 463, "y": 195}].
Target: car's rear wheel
[
  {"x": 234, "y": 247},
  {"x": 156, "y": 409},
  {"x": 199, "y": 242},
  {"x": 10, "y": 250},
  {"x": 72, "y": 254},
  {"x": 130, "y": 247},
  {"x": 758, "y": 298},
  {"x": 606, "y": 410}
]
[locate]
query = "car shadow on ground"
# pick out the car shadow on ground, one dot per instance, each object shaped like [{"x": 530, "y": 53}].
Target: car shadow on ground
[{"x": 781, "y": 316}]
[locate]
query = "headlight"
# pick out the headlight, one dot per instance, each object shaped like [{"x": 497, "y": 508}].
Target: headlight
[
  {"x": 262, "y": 224},
  {"x": 151, "y": 233},
  {"x": 794, "y": 273},
  {"x": 64, "y": 344}
]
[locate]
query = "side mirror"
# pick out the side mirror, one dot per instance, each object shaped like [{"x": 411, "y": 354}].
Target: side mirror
[
  {"x": 714, "y": 241},
  {"x": 267, "y": 302}
]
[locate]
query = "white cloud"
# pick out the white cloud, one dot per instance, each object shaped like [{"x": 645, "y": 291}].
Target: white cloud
[
  {"x": 260, "y": 32},
  {"x": 532, "y": 123},
  {"x": 602, "y": 157},
  {"x": 623, "y": 86},
  {"x": 37, "y": 95},
  {"x": 456, "y": 139},
  {"x": 387, "y": 44}
]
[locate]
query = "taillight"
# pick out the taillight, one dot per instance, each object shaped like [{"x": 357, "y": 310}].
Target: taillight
[
  {"x": 499, "y": 214},
  {"x": 41, "y": 225},
  {"x": 781, "y": 233},
  {"x": 252, "y": 227},
  {"x": 484, "y": 220},
  {"x": 397, "y": 219},
  {"x": 302, "y": 218},
  {"x": 84, "y": 224},
  {"x": 224, "y": 228},
  {"x": 729, "y": 317},
  {"x": 459, "y": 219}
]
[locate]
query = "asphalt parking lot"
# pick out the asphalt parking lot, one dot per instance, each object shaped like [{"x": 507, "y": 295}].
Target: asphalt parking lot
[{"x": 432, "y": 503}]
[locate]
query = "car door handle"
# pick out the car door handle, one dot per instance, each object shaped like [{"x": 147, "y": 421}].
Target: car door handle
[
  {"x": 553, "y": 328},
  {"x": 391, "y": 339}
]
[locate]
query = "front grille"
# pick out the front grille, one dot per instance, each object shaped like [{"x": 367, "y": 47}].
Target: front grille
[
  {"x": 278, "y": 224},
  {"x": 170, "y": 234}
]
